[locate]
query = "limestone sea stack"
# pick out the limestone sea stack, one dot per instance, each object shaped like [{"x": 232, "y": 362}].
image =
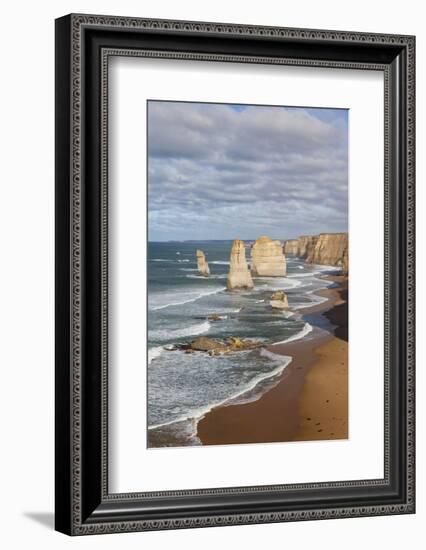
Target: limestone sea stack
[
  {"x": 279, "y": 300},
  {"x": 291, "y": 246},
  {"x": 268, "y": 258},
  {"x": 203, "y": 266},
  {"x": 239, "y": 275},
  {"x": 329, "y": 249}
]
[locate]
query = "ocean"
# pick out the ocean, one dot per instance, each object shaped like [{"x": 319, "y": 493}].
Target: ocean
[{"x": 184, "y": 387}]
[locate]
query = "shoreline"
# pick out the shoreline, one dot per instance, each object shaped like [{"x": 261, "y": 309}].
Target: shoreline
[{"x": 312, "y": 392}]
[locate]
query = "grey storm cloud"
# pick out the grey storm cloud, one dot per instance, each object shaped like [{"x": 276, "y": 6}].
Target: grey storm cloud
[{"x": 217, "y": 171}]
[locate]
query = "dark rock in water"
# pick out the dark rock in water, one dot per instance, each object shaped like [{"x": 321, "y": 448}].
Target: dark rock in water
[{"x": 213, "y": 317}]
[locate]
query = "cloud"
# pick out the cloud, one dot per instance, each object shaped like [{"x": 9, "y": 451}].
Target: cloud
[{"x": 222, "y": 172}]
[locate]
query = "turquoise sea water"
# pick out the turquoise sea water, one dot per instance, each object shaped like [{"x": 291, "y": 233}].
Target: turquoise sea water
[{"x": 183, "y": 387}]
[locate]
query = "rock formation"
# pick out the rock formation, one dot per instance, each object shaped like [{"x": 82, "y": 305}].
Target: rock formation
[
  {"x": 216, "y": 347},
  {"x": 303, "y": 242},
  {"x": 203, "y": 343},
  {"x": 291, "y": 246},
  {"x": 279, "y": 300},
  {"x": 268, "y": 259},
  {"x": 203, "y": 266},
  {"x": 323, "y": 249},
  {"x": 239, "y": 275},
  {"x": 345, "y": 260},
  {"x": 329, "y": 249},
  {"x": 310, "y": 247}
]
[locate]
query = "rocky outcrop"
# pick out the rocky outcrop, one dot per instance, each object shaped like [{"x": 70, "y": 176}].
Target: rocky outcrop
[
  {"x": 239, "y": 275},
  {"x": 203, "y": 266},
  {"x": 216, "y": 347},
  {"x": 291, "y": 246},
  {"x": 279, "y": 300},
  {"x": 214, "y": 317},
  {"x": 329, "y": 249},
  {"x": 268, "y": 259},
  {"x": 203, "y": 343}
]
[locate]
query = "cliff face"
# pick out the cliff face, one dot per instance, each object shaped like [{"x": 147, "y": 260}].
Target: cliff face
[
  {"x": 291, "y": 246},
  {"x": 309, "y": 246},
  {"x": 303, "y": 242},
  {"x": 323, "y": 249},
  {"x": 268, "y": 259},
  {"x": 329, "y": 249},
  {"x": 239, "y": 275},
  {"x": 203, "y": 266},
  {"x": 345, "y": 260}
]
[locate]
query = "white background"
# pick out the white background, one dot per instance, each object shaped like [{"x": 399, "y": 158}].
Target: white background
[
  {"x": 132, "y": 466},
  {"x": 26, "y": 218}
]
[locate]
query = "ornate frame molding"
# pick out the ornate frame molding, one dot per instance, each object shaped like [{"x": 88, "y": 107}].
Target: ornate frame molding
[{"x": 73, "y": 517}]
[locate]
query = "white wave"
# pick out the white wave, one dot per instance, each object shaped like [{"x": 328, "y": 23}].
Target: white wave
[
  {"x": 188, "y": 299},
  {"x": 299, "y": 335},
  {"x": 219, "y": 262},
  {"x": 196, "y": 415},
  {"x": 321, "y": 268},
  {"x": 231, "y": 309},
  {"x": 206, "y": 278},
  {"x": 183, "y": 261},
  {"x": 188, "y": 269},
  {"x": 177, "y": 252},
  {"x": 166, "y": 334},
  {"x": 274, "y": 356},
  {"x": 297, "y": 275},
  {"x": 153, "y": 353},
  {"x": 160, "y": 260},
  {"x": 275, "y": 283},
  {"x": 317, "y": 300},
  {"x": 287, "y": 314}
]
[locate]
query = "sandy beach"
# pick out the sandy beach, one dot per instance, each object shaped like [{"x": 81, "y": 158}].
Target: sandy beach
[{"x": 310, "y": 400}]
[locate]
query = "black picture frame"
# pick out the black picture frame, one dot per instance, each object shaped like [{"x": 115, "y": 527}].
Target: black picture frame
[{"x": 83, "y": 45}]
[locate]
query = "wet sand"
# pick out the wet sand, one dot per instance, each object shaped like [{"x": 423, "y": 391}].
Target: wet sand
[
  {"x": 323, "y": 404},
  {"x": 310, "y": 400}
]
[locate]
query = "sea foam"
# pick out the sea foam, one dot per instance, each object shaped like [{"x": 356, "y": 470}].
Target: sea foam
[
  {"x": 299, "y": 335},
  {"x": 167, "y": 334},
  {"x": 187, "y": 300},
  {"x": 196, "y": 414},
  {"x": 153, "y": 353}
]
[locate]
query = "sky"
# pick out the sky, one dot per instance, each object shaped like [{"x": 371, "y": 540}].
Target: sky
[{"x": 220, "y": 171}]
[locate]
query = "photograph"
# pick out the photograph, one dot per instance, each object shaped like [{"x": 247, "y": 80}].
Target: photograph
[{"x": 248, "y": 274}]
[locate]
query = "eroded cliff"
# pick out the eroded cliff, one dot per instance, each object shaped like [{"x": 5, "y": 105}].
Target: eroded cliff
[
  {"x": 323, "y": 249},
  {"x": 329, "y": 249}
]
